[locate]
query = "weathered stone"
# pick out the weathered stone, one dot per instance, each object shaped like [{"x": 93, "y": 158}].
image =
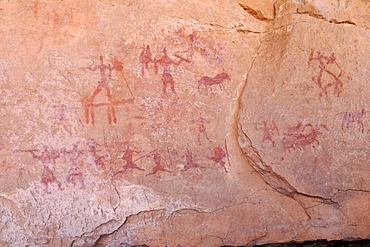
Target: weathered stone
[{"x": 203, "y": 123}]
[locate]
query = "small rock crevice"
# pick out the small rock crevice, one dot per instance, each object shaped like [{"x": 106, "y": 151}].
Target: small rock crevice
[
  {"x": 321, "y": 17},
  {"x": 101, "y": 238},
  {"x": 255, "y": 13}
]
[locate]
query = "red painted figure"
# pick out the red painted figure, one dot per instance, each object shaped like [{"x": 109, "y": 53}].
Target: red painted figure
[
  {"x": 75, "y": 172},
  {"x": 190, "y": 164},
  {"x": 158, "y": 166},
  {"x": 167, "y": 79},
  {"x": 210, "y": 81},
  {"x": 268, "y": 131},
  {"x": 128, "y": 157},
  {"x": 47, "y": 158},
  {"x": 329, "y": 67},
  {"x": 92, "y": 148},
  {"x": 202, "y": 130},
  {"x": 300, "y": 136},
  {"x": 165, "y": 62},
  {"x": 219, "y": 155},
  {"x": 102, "y": 84},
  {"x": 145, "y": 58}
]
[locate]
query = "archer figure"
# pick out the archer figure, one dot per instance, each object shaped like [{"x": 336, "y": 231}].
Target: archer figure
[
  {"x": 128, "y": 157},
  {"x": 268, "y": 130},
  {"x": 190, "y": 164},
  {"x": 103, "y": 83},
  {"x": 330, "y": 73},
  {"x": 158, "y": 166},
  {"x": 219, "y": 155},
  {"x": 202, "y": 130},
  {"x": 165, "y": 62}
]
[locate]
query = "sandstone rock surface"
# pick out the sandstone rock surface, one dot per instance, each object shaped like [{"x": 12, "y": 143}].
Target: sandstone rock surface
[{"x": 184, "y": 123}]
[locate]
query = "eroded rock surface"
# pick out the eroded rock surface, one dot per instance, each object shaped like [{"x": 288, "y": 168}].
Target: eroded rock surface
[{"x": 203, "y": 123}]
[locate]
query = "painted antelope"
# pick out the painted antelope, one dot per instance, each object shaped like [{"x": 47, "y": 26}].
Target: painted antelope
[{"x": 210, "y": 81}]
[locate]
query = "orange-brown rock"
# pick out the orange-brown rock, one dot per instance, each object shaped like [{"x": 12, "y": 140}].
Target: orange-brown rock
[{"x": 172, "y": 123}]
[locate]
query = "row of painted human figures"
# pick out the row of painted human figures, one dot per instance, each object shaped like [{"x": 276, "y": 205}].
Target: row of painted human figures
[
  {"x": 48, "y": 156},
  {"x": 161, "y": 65}
]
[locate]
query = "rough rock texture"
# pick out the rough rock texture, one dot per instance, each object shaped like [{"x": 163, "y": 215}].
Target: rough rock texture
[{"x": 184, "y": 123}]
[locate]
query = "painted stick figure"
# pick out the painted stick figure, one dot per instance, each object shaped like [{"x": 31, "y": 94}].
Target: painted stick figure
[
  {"x": 102, "y": 84},
  {"x": 158, "y": 166},
  {"x": 219, "y": 155},
  {"x": 167, "y": 79},
  {"x": 92, "y": 149},
  {"x": 328, "y": 66},
  {"x": 128, "y": 157},
  {"x": 47, "y": 158},
  {"x": 268, "y": 131},
  {"x": 202, "y": 130},
  {"x": 75, "y": 172},
  {"x": 145, "y": 58},
  {"x": 165, "y": 62},
  {"x": 190, "y": 164}
]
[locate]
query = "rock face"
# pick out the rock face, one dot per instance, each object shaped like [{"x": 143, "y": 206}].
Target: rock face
[{"x": 203, "y": 123}]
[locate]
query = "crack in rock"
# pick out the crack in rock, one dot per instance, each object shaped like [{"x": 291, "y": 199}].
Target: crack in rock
[
  {"x": 101, "y": 238},
  {"x": 255, "y": 13},
  {"x": 321, "y": 17},
  {"x": 274, "y": 180},
  {"x": 199, "y": 211}
]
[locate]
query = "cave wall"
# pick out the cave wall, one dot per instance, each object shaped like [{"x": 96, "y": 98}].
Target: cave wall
[{"x": 184, "y": 123}]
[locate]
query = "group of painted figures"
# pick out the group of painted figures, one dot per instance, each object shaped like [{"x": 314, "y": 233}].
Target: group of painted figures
[
  {"x": 330, "y": 75},
  {"x": 296, "y": 137},
  {"x": 161, "y": 65},
  {"x": 299, "y": 136},
  {"x": 102, "y": 158}
]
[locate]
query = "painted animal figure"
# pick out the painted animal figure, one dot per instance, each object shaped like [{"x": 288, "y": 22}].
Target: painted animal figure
[
  {"x": 300, "y": 136},
  {"x": 210, "y": 81}
]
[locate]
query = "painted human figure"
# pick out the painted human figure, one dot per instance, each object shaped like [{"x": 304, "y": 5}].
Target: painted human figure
[
  {"x": 103, "y": 83},
  {"x": 145, "y": 58},
  {"x": 329, "y": 66},
  {"x": 165, "y": 62},
  {"x": 92, "y": 149},
  {"x": 268, "y": 130},
  {"x": 202, "y": 130},
  {"x": 75, "y": 173},
  {"x": 190, "y": 164},
  {"x": 128, "y": 157},
  {"x": 219, "y": 155},
  {"x": 47, "y": 158},
  {"x": 158, "y": 165}
]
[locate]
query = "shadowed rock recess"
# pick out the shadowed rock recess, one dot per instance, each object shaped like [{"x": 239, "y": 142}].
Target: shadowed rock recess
[{"x": 184, "y": 123}]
